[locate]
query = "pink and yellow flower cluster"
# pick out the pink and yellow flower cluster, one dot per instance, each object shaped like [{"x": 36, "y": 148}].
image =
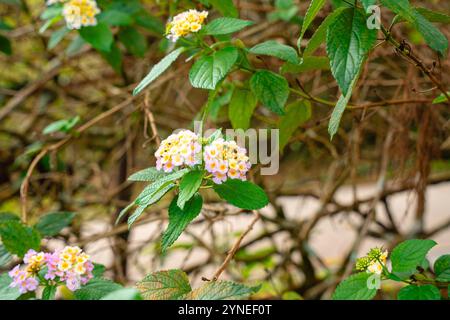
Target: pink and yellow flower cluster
[
  {"x": 178, "y": 150},
  {"x": 78, "y": 13},
  {"x": 187, "y": 22},
  {"x": 70, "y": 266},
  {"x": 225, "y": 159}
]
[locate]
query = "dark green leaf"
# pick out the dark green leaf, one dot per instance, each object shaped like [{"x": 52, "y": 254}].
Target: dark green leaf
[
  {"x": 189, "y": 185},
  {"x": 271, "y": 89},
  {"x": 18, "y": 238},
  {"x": 348, "y": 43},
  {"x": 99, "y": 36},
  {"x": 99, "y": 270},
  {"x": 355, "y": 287},
  {"x": 296, "y": 114},
  {"x": 208, "y": 71},
  {"x": 442, "y": 268},
  {"x": 51, "y": 224},
  {"x": 225, "y": 25},
  {"x": 114, "y": 58},
  {"x": 96, "y": 289},
  {"x": 242, "y": 194},
  {"x": 5, "y": 216},
  {"x": 164, "y": 285},
  {"x": 49, "y": 293},
  {"x": 408, "y": 255},
  {"x": 425, "y": 292},
  {"x": 5, "y": 45},
  {"x": 367, "y": 3},
  {"x": 225, "y": 7},
  {"x": 434, "y": 16},
  {"x": 307, "y": 64},
  {"x": 158, "y": 69},
  {"x": 179, "y": 219},
  {"x": 115, "y": 18},
  {"x": 311, "y": 13},
  {"x": 133, "y": 40}
]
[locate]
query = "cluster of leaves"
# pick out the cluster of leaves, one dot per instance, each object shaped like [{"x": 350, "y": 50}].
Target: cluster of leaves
[
  {"x": 409, "y": 266},
  {"x": 187, "y": 204}
]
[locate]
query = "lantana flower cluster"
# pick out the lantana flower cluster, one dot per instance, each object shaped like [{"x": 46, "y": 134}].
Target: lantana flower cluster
[
  {"x": 187, "y": 22},
  {"x": 78, "y": 13},
  {"x": 70, "y": 266},
  {"x": 373, "y": 262},
  {"x": 178, "y": 150},
  {"x": 222, "y": 159},
  {"x": 225, "y": 159}
]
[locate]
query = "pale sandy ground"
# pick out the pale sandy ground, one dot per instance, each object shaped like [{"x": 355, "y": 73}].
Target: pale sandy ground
[{"x": 331, "y": 239}]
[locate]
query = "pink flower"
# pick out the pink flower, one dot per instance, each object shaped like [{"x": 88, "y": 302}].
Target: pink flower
[{"x": 218, "y": 178}]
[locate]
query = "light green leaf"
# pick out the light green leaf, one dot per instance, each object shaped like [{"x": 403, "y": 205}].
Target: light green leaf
[
  {"x": 271, "y": 89},
  {"x": 75, "y": 46},
  {"x": 158, "y": 69},
  {"x": 133, "y": 40},
  {"x": 179, "y": 219},
  {"x": 425, "y": 292},
  {"x": 96, "y": 289},
  {"x": 7, "y": 293},
  {"x": 51, "y": 224},
  {"x": 241, "y": 108},
  {"x": 221, "y": 290},
  {"x": 208, "y": 71},
  {"x": 441, "y": 98},
  {"x": 18, "y": 238},
  {"x": 242, "y": 194},
  {"x": 355, "y": 287},
  {"x": 226, "y": 25},
  {"x": 56, "y": 37},
  {"x": 61, "y": 125},
  {"x": 367, "y": 3},
  {"x": 99, "y": 36},
  {"x": 442, "y": 268},
  {"x": 276, "y": 49},
  {"x": 348, "y": 43},
  {"x": 189, "y": 185},
  {"x": 5, "y": 256},
  {"x": 51, "y": 12},
  {"x": 164, "y": 285},
  {"x": 123, "y": 294},
  {"x": 408, "y": 255},
  {"x": 434, "y": 16},
  {"x": 311, "y": 13},
  {"x": 149, "y": 174},
  {"x": 296, "y": 114}
]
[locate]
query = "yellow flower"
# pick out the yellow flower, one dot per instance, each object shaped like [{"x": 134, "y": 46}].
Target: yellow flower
[
  {"x": 80, "y": 269},
  {"x": 185, "y": 23},
  {"x": 64, "y": 265},
  {"x": 80, "y": 13}
]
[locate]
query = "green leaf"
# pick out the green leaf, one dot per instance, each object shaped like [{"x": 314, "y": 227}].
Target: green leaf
[
  {"x": 311, "y": 13},
  {"x": 123, "y": 294},
  {"x": 61, "y": 125},
  {"x": 99, "y": 36},
  {"x": 99, "y": 270},
  {"x": 320, "y": 34},
  {"x": 18, "y": 238},
  {"x": 434, "y": 38},
  {"x": 49, "y": 293},
  {"x": 75, "y": 46},
  {"x": 241, "y": 108},
  {"x": 355, "y": 287},
  {"x": 367, "y": 3},
  {"x": 276, "y": 49},
  {"x": 114, "y": 58},
  {"x": 442, "y": 268},
  {"x": 6, "y": 216},
  {"x": 149, "y": 22},
  {"x": 271, "y": 89},
  {"x": 348, "y": 43},
  {"x": 208, "y": 71},
  {"x": 189, "y": 185},
  {"x": 5, "y": 45},
  {"x": 158, "y": 69},
  {"x": 441, "y": 98},
  {"x": 51, "y": 12},
  {"x": 339, "y": 109},
  {"x": 434, "y": 16},
  {"x": 306, "y": 64},
  {"x": 225, "y": 25},
  {"x": 115, "y": 18},
  {"x": 5, "y": 257},
  {"x": 149, "y": 174},
  {"x": 408, "y": 255},
  {"x": 133, "y": 40},
  {"x": 179, "y": 219},
  {"x": 225, "y": 7},
  {"x": 96, "y": 289},
  {"x": 6, "y": 292},
  {"x": 296, "y": 114},
  {"x": 425, "y": 292},
  {"x": 164, "y": 285},
  {"x": 242, "y": 194},
  {"x": 221, "y": 290},
  {"x": 56, "y": 37},
  {"x": 51, "y": 224}
]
